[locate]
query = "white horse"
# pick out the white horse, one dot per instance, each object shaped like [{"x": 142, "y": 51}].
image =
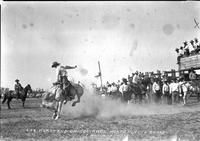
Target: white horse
[{"x": 54, "y": 100}]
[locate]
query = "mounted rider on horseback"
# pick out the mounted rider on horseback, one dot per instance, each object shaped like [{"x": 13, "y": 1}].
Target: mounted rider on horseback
[
  {"x": 18, "y": 88},
  {"x": 62, "y": 81}
]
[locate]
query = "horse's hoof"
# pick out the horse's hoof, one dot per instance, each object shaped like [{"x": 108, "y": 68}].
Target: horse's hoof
[
  {"x": 65, "y": 102},
  {"x": 56, "y": 118},
  {"x": 73, "y": 104}
]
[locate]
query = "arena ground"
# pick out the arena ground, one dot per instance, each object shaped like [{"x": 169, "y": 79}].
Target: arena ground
[{"x": 35, "y": 123}]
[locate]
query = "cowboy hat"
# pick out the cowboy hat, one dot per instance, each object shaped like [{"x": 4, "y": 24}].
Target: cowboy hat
[
  {"x": 185, "y": 42},
  {"x": 113, "y": 83},
  {"x": 191, "y": 41},
  {"x": 55, "y": 64},
  {"x": 176, "y": 49},
  {"x": 124, "y": 79},
  {"x": 17, "y": 80}
]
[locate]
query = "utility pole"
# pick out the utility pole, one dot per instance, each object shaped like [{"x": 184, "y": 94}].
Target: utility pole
[{"x": 100, "y": 75}]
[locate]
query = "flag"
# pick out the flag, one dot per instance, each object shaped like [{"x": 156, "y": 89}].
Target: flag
[{"x": 98, "y": 75}]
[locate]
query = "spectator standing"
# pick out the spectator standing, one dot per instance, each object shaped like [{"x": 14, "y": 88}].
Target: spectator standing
[
  {"x": 156, "y": 91},
  {"x": 192, "y": 74},
  {"x": 186, "y": 49},
  {"x": 165, "y": 92},
  {"x": 174, "y": 91},
  {"x": 108, "y": 89},
  {"x": 124, "y": 89},
  {"x": 181, "y": 51},
  {"x": 113, "y": 90},
  {"x": 192, "y": 47},
  {"x": 136, "y": 77},
  {"x": 197, "y": 44}
]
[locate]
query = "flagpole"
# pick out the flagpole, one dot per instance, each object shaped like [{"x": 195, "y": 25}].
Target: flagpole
[{"x": 100, "y": 75}]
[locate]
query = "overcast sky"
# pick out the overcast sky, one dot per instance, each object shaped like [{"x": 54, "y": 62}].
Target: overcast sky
[{"x": 123, "y": 36}]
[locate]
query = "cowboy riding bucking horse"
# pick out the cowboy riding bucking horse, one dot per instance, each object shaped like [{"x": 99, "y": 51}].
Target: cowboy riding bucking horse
[{"x": 62, "y": 80}]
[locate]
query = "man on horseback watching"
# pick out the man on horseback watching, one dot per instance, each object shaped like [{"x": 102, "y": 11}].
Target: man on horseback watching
[
  {"x": 61, "y": 79},
  {"x": 18, "y": 88}
]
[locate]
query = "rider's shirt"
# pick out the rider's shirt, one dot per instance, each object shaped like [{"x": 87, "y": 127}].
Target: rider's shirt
[
  {"x": 63, "y": 71},
  {"x": 18, "y": 87},
  {"x": 60, "y": 71}
]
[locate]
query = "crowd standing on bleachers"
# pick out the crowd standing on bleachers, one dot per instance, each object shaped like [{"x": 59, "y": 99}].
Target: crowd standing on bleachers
[{"x": 188, "y": 49}]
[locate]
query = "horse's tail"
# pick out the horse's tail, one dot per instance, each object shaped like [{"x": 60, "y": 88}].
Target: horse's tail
[
  {"x": 48, "y": 100},
  {"x": 48, "y": 96}
]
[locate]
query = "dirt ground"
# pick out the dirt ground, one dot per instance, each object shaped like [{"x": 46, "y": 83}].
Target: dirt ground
[{"x": 35, "y": 123}]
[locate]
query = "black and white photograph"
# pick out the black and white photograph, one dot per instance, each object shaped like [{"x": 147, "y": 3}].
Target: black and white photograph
[{"x": 100, "y": 71}]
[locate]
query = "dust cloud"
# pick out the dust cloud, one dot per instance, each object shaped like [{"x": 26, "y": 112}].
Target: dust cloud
[
  {"x": 83, "y": 71},
  {"x": 93, "y": 105}
]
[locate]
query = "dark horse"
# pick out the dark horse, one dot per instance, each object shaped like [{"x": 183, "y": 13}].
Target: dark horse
[
  {"x": 11, "y": 94},
  {"x": 137, "y": 91}
]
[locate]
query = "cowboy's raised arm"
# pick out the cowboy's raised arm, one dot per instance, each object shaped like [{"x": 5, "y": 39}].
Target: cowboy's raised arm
[{"x": 69, "y": 67}]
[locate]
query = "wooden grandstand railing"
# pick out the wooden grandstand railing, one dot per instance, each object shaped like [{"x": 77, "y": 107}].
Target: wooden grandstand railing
[{"x": 189, "y": 62}]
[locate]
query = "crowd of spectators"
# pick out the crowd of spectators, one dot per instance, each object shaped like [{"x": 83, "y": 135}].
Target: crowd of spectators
[
  {"x": 161, "y": 87},
  {"x": 188, "y": 49}
]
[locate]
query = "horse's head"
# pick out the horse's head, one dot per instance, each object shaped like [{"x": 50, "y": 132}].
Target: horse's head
[{"x": 28, "y": 87}]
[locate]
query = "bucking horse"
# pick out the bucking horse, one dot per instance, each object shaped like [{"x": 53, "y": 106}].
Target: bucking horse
[
  {"x": 9, "y": 95},
  {"x": 54, "y": 100}
]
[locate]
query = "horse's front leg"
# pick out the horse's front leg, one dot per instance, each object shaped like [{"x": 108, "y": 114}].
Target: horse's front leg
[
  {"x": 23, "y": 102},
  {"x": 55, "y": 109},
  {"x": 8, "y": 102},
  {"x": 58, "y": 109},
  {"x": 4, "y": 99}
]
